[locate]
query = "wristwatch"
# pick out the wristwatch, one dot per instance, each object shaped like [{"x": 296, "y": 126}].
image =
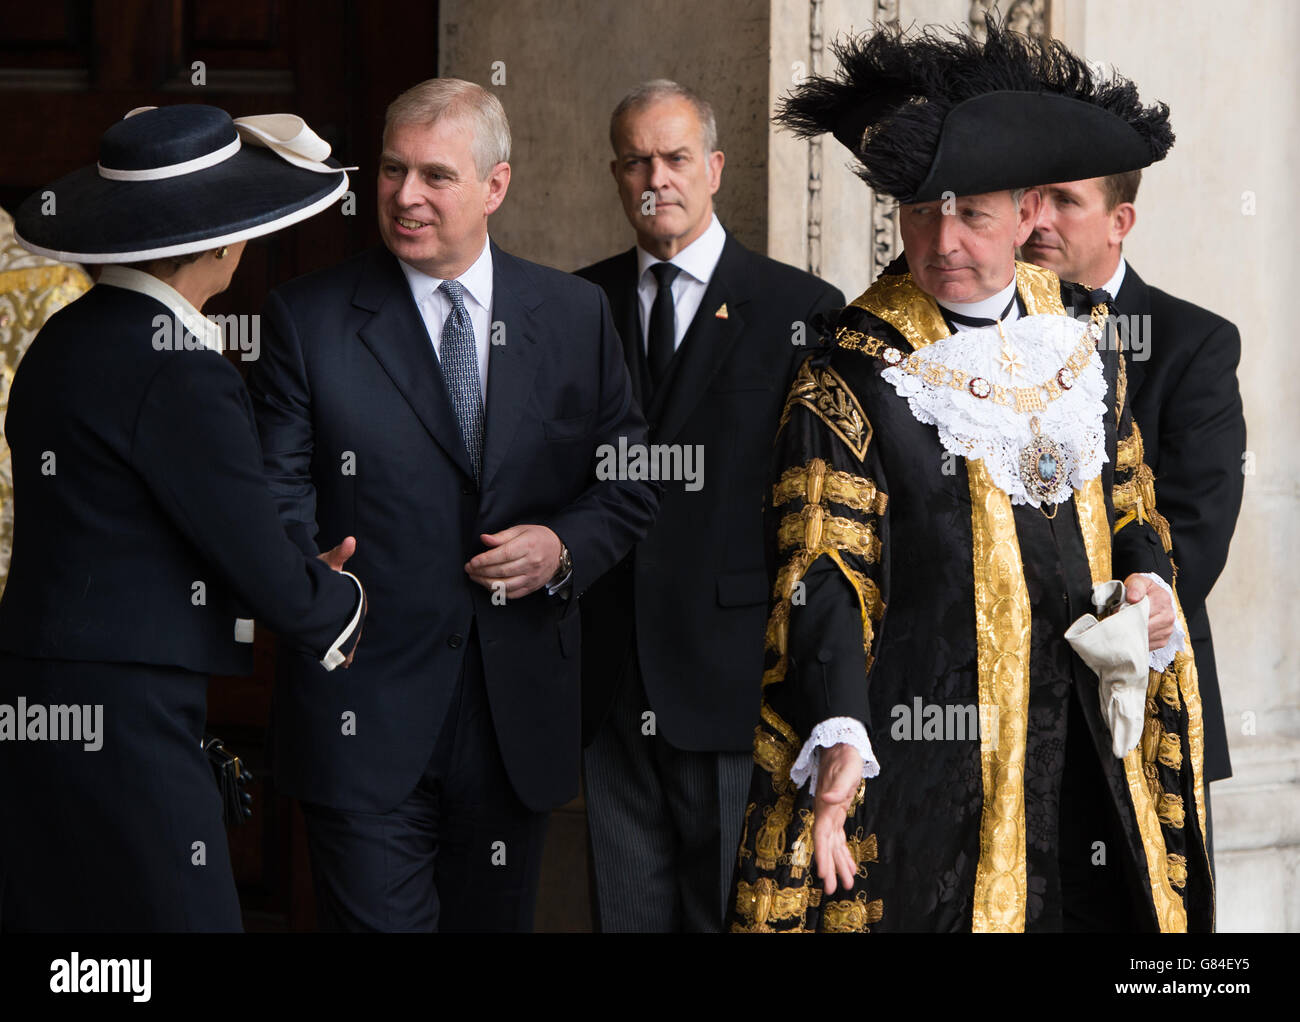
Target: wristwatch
[{"x": 563, "y": 573}]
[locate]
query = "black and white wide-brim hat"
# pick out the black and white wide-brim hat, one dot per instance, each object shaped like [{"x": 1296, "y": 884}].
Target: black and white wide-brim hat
[{"x": 179, "y": 179}]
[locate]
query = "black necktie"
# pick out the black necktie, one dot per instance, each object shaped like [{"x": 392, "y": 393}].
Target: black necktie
[
  {"x": 956, "y": 317},
  {"x": 662, "y": 322}
]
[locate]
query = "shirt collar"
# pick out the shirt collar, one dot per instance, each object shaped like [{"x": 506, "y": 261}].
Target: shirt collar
[
  {"x": 477, "y": 280},
  {"x": 1112, "y": 286},
  {"x": 130, "y": 279},
  {"x": 987, "y": 308},
  {"x": 699, "y": 258}
]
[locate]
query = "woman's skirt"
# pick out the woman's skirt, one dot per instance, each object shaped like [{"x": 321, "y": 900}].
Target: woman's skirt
[{"x": 109, "y": 814}]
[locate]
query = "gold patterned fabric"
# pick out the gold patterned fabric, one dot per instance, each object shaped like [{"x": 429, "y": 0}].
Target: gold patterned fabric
[
  {"x": 1002, "y": 620},
  {"x": 32, "y": 289}
]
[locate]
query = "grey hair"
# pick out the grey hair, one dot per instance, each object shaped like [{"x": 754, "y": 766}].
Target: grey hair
[
  {"x": 663, "y": 88},
  {"x": 1017, "y": 195},
  {"x": 438, "y": 98}
]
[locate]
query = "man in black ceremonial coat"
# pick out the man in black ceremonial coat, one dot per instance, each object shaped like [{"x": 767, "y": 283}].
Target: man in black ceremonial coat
[{"x": 932, "y": 753}]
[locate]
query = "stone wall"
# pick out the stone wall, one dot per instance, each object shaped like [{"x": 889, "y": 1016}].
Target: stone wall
[{"x": 567, "y": 63}]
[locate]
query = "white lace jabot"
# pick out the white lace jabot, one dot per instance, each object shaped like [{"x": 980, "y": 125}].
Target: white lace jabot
[{"x": 961, "y": 385}]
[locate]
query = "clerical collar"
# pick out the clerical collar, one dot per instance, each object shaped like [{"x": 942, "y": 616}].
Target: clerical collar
[
  {"x": 1001, "y": 306},
  {"x": 1112, "y": 286}
]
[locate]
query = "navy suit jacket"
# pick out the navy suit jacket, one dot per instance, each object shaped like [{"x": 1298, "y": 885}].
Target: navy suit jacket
[
  {"x": 137, "y": 475},
  {"x": 360, "y": 438},
  {"x": 1187, "y": 403}
]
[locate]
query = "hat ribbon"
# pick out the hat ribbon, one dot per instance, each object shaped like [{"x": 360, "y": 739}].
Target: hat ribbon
[{"x": 289, "y": 137}]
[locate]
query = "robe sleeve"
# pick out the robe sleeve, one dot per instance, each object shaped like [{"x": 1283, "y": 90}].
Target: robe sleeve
[
  {"x": 828, "y": 535},
  {"x": 828, "y": 528},
  {"x": 1141, "y": 542}
]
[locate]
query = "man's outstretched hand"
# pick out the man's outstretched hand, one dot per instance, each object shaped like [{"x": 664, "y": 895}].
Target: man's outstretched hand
[
  {"x": 839, "y": 772},
  {"x": 1160, "y": 621},
  {"x": 524, "y": 557}
]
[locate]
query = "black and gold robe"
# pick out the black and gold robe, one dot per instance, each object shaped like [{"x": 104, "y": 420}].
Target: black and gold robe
[{"x": 902, "y": 574}]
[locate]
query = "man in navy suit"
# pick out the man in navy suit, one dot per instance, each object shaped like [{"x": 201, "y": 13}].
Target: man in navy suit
[
  {"x": 673, "y": 651},
  {"x": 1182, "y": 375},
  {"x": 446, "y": 403}
]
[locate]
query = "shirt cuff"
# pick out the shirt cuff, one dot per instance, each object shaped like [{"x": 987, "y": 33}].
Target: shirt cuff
[
  {"x": 335, "y": 655},
  {"x": 554, "y": 587},
  {"x": 1163, "y": 657},
  {"x": 833, "y": 731}
]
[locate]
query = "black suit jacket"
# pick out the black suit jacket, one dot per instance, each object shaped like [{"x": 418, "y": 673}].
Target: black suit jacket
[
  {"x": 691, "y": 601},
  {"x": 1187, "y": 403},
  {"x": 360, "y": 438},
  {"x": 137, "y": 475}
]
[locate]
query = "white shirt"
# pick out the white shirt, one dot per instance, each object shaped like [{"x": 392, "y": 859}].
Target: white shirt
[
  {"x": 697, "y": 261},
  {"x": 1112, "y": 286},
  {"x": 435, "y": 306}
]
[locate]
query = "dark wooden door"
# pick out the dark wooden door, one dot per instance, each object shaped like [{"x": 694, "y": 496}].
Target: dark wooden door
[{"x": 69, "y": 70}]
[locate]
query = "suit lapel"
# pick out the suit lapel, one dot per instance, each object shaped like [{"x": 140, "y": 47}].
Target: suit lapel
[
  {"x": 396, "y": 335},
  {"x": 705, "y": 347},
  {"x": 626, "y": 312},
  {"x": 512, "y": 364},
  {"x": 1134, "y": 302}
]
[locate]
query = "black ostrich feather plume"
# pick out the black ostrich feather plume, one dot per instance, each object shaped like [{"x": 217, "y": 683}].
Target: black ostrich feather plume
[{"x": 889, "y": 97}]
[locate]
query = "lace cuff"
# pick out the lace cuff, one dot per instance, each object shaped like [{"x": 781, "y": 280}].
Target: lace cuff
[
  {"x": 831, "y": 732},
  {"x": 1163, "y": 657}
]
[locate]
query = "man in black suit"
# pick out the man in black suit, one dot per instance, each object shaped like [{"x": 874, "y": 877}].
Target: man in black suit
[
  {"x": 444, "y": 401},
  {"x": 1182, "y": 363},
  {"x": 673, "y": 648}
]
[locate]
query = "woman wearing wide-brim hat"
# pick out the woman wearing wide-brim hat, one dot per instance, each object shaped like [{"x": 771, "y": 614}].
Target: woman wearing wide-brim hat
[{"x": 145, "y": 537}]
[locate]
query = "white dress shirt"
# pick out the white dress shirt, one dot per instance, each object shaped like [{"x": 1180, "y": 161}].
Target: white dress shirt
[
  {"x": 435, "y": 306},
  {"x": 697, "y": 261},
  {"x": 1116, "y": 281}
]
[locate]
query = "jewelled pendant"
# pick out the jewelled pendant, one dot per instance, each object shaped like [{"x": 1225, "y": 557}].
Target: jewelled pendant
[{"x": 1042, "y": 464}]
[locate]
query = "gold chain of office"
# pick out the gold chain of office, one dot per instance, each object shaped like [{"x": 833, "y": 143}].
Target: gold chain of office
[{"x": 936, "y": 374}]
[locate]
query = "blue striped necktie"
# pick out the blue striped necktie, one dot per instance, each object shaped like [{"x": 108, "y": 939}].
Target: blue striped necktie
[{"x": 459, "y": 358}]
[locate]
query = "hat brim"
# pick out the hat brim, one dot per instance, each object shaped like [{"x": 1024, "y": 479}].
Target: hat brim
[{"x": 93, "y": 219}]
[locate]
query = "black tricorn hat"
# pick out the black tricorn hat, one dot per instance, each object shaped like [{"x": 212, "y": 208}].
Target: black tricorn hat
[
  {"x": 178, "y": 179},
  {"x": 937, "y": 114}
]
